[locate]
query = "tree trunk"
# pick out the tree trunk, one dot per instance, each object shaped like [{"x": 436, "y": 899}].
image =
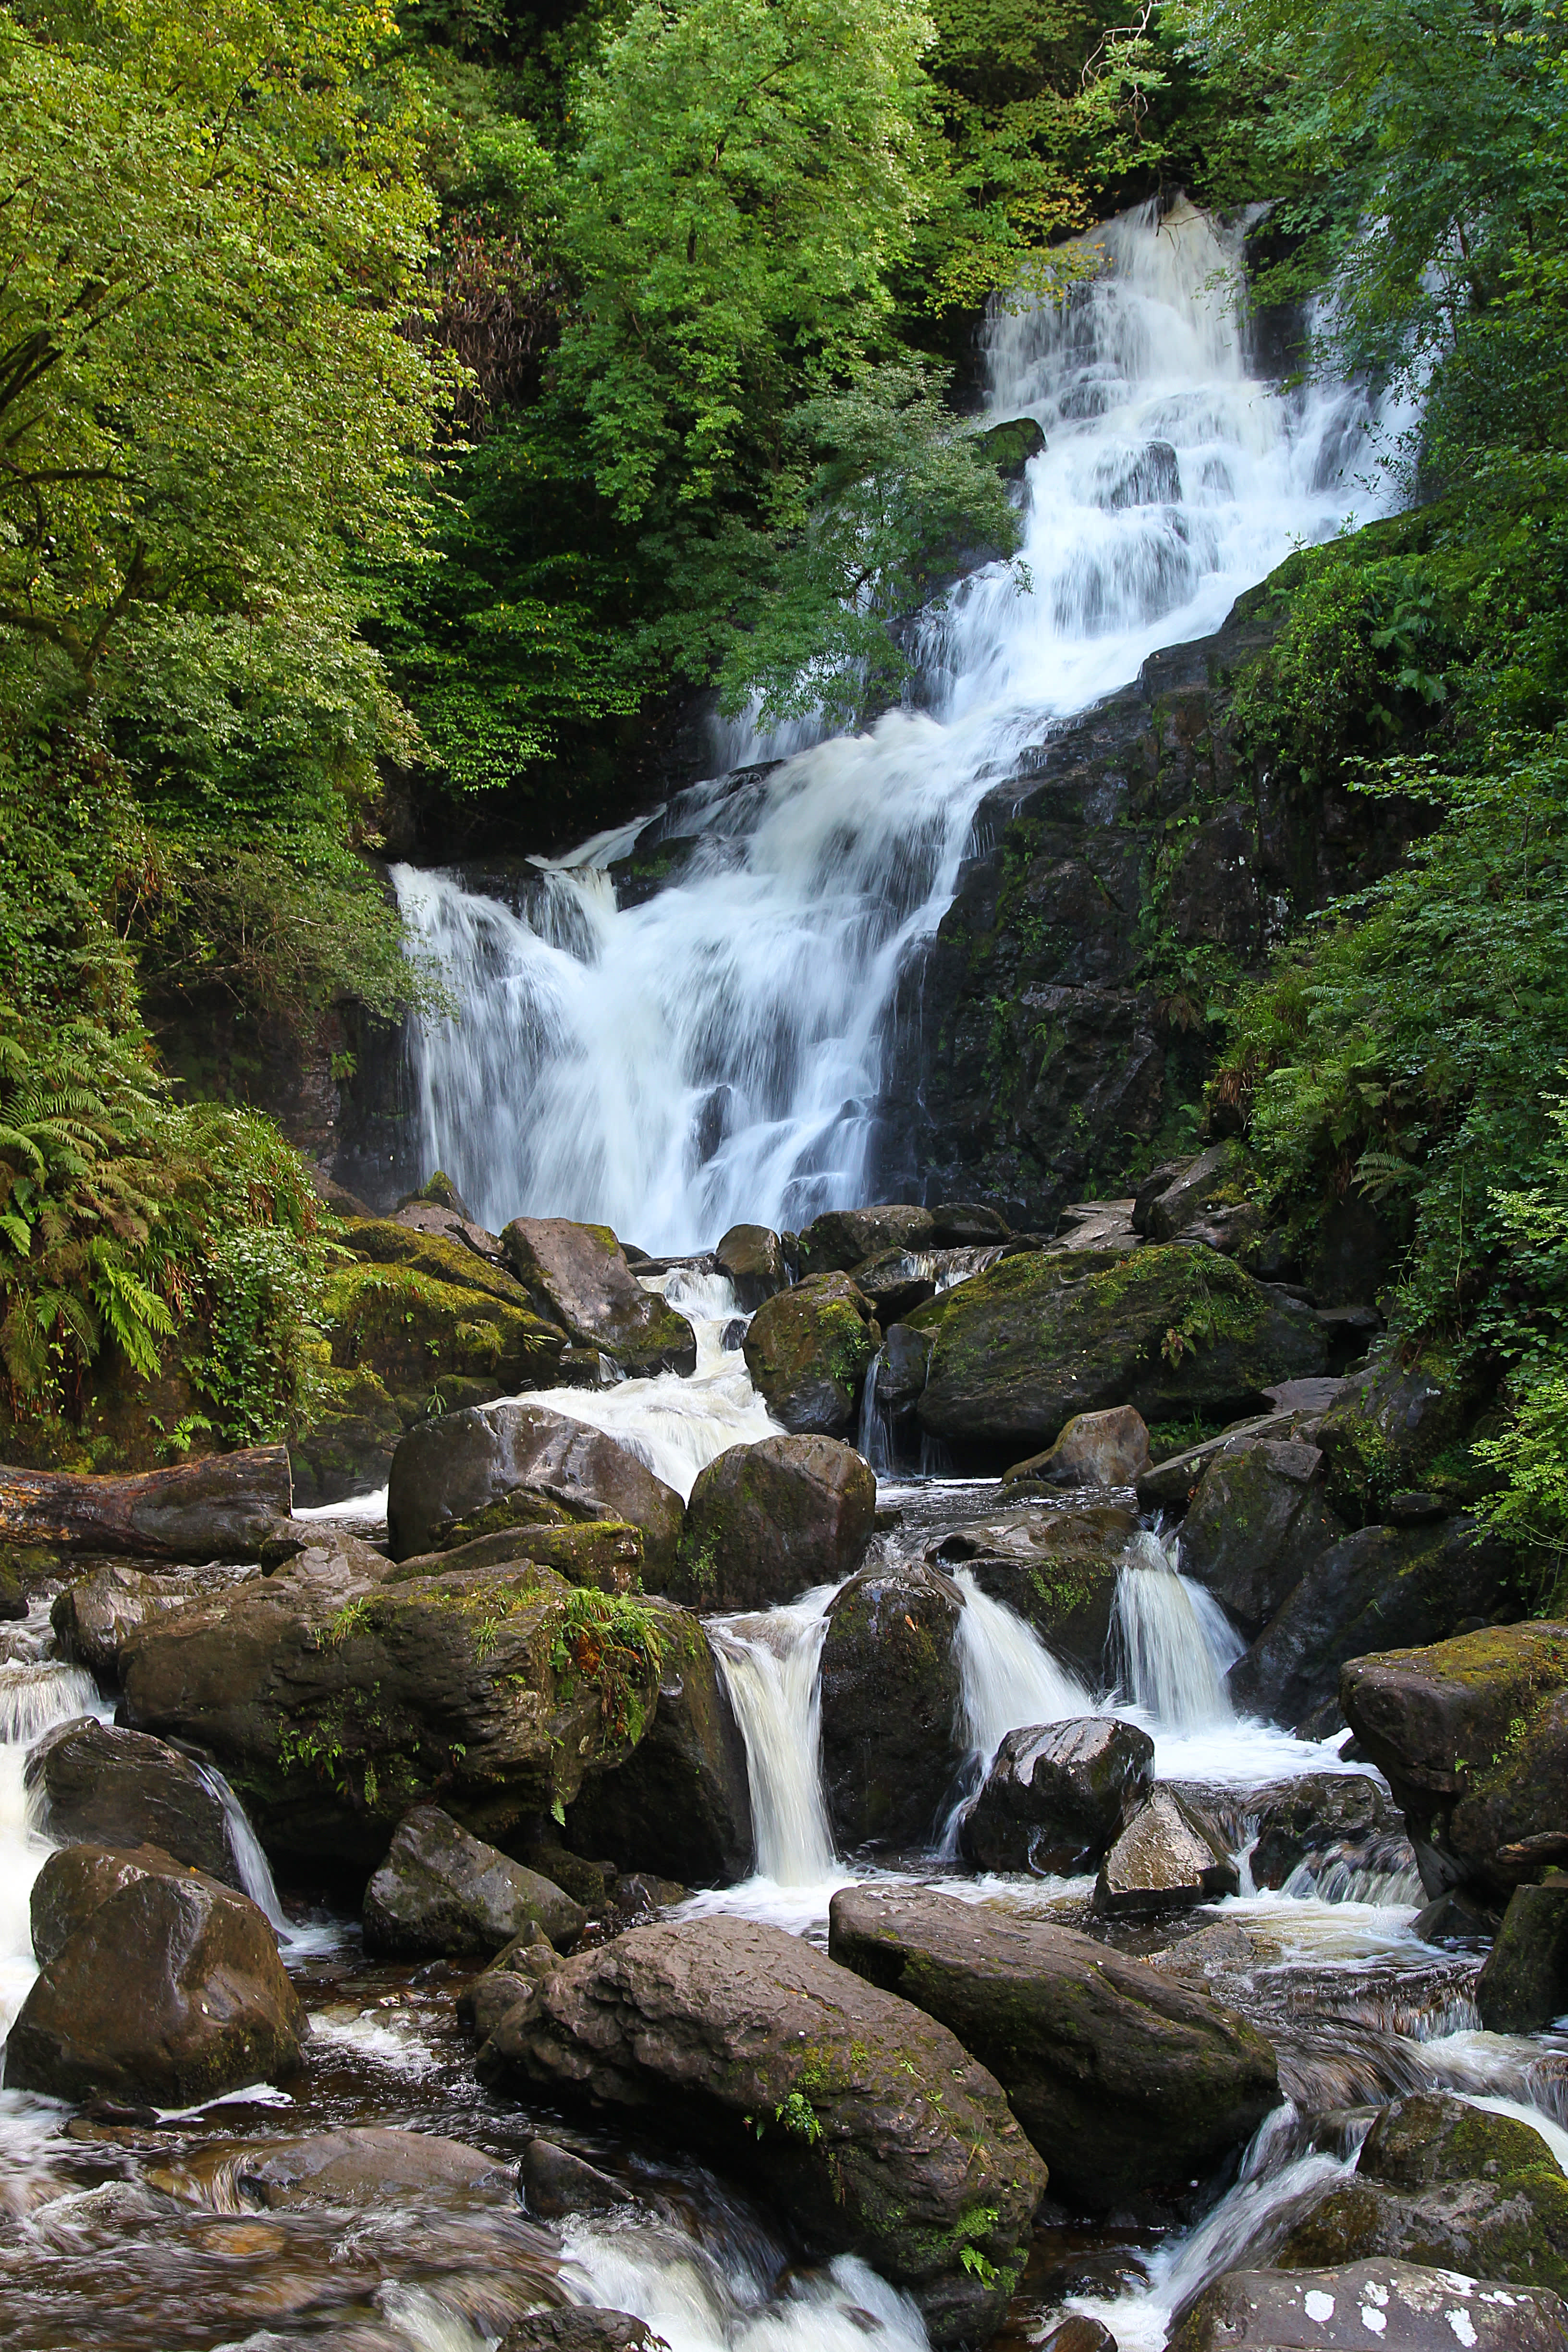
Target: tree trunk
[{"x": 223, "y": 1506}]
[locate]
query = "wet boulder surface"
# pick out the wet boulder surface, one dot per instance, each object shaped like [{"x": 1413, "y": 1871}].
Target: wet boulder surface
[
  {"x": 578, "y": 1277},
  {"x": 1258, "y": 1522},
  {"x": 1128, "y": 2083},
  {"x": 1170, "y": 1856},
  {"x": 1419, "y": 2310},
  {"x": 1058, "y": 1795},
  {"x": 1055, "y": 1566},
  {"x": 881, "y": 2135},
  {"x": 892, "y": 1739},
  {"x": 807, "y": 1350},
  {"x": 97, "y": 1784},
  {"x": 1524, "y": 1983},
  {"x": 441, "y": 1891},
  {"x": 93, "y": 1616},
  {"x": 1095, "y": 1449},
  {"x": 766, "y": 1522}
]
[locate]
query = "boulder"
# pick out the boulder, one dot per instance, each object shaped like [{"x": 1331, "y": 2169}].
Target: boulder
[
  {"x": 359, "y": 2165},
  {"x": 1095, "y": 1449},
  {"x": 1524, "y": 1984},
  {"x": 807, "y": 1350},
  {"x": 1168, "y": 1857},
  {"x": 1010, "y": 446},
  {"x": 93, "y": 1785},
  {"x": 557, "y": 2183},
  {"x": 76, "y": 1880},
  {"x": 1379, "y": 1586},
  {"x": 1128, "y": 2084},
  {"x": 1055, "y": 1568},
  {"x": 1386, "y": 1428},
  {"x": 438, "y": 1192},
  {"x": 897, "y": 1280},
  {"x": 1155, "y": 1186},
  {"x": 169, "y": 1993},
  {"x": 768, "y": 1521},
  {"x": 1058, "y": 1794},
  {"x": 1258, "y": 1522},
  {"x": 589, "y": 2329},
  {"x": 577, "y": 1275},
  {"x": 1022, "y": 1348},
  {"x": 874, "y": 2132},
  {"x": 469, "y": 1474},
  {"x": 1442, "y": 2182},
  {"x": 753, "y": 1257},
  {"x": 334, "y": 1700},
  {"x": 842, "y": 1238},
  {"x": 587, "y": 1882},
  {"x": 1322, "y": 1819},
  {"x": 92, "y": 1617},
  {"x": 606, "y": 1554},
  {"x": 1471, "y": 1735},
  {"x": 684, "y": 1810},
  {"x": 967, "y": 1224},
  {"x": 441, "y": 1891},
  {"x": 346, "y": 1446},
  {"x": 1323, "y": 2311},
  {"x": 892, "y": 1741},
  {"x": 1197, "y": 1186}
]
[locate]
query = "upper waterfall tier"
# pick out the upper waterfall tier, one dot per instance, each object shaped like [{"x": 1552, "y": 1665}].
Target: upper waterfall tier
[{"x": 717, "y": 1051}]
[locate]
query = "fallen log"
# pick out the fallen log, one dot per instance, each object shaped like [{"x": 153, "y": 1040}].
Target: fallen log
[{"x": 225, "y": 1505}]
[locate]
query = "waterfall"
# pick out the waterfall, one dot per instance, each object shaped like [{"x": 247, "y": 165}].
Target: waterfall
[
  {"x": 35, "y": 1695},
  {"x": 1007, "y": 1677},
  {"x": 769, "y": 1664},
  {"x": 1175, "y": 1638},
  {"x": 874, "y": 1438},
  {"x": 254, "y": 1870},
  {"x": 718, "y": 1052}
]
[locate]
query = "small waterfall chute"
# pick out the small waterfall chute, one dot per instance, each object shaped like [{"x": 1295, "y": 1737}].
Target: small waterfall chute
[
  {"x": 250, "y": 1859},
  {"x": 874, "y": 1438},
  {"x": 769, "y": 1663},
  {"x": 1175, "y": 1641}
]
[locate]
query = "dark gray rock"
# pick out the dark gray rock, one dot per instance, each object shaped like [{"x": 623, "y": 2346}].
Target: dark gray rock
[
  {"x": 1257, "y": 1524},
  {"x": 892, "y": 1745},
  {"x": 768, "y": 1521},
  {"x": 440, "y": 1890},
  {"x": 1058, "y": 1794},
  {"x": 1290, "y": 2311},
  {"x": 844, "y": 1237},
  {"x": 1524, "y": 1984},
  {"x": 1211, "y": 1173},
  {"x": 753, "y": 1257},
  {"x": 1324, "y": 1819},
  {"x": 104, "y": 1786},
  {"x": 1168, "y": 1857},
  {"x": 555, "y": 2183}
]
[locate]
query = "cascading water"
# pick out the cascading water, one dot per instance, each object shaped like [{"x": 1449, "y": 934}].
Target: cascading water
[
  {"x": 769, "y": 1664},
  {"x": 717, "y": 1052},
  {"x": 1175, "y": 1638}
]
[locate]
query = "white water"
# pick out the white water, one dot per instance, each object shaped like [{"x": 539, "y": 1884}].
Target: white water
[
  {"x": 35, "y": 1695},
  {"x": 254, "y": 1870},
  {"x": 1176, "y": 1639},
  {"x": 769, "y": 1664},
  {"x": 718, "y": 1053}
]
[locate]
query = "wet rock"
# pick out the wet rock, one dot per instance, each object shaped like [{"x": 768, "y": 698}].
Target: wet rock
[
  {"x": 753, "y": 1257},
  {"x": 1058, "y": 1794},
  {"x": 74, "y": 1882},
  {"x": 346, "y": 1449},
  {"x": 1256, "y": 1526},
  {"x": 170, "y": 1991},
  {"x": 841, "y": 1239},
  {"x": 469, "y": 1474},
  {"x": 361, "y": 2166},
  {"x": 1010, "y": 446},
  {"x": 334, "y": 1700},
  {"x": 98, "y": 1786},
  {"x": 1385, "y": 1429},
  {"x": 581, "y": 2330},
  {"x": 440, "y": 1890},
  {"x": 897, "y": 1280},
  {"x": 807, "y": 1350},
  {"x": 578, "y": 1277},
  {"x": 684, "y": 1810},
  {"x": 92, "y": 1617},
  {"x": 1524, "y": 1984},
  {"x": 880, "y": 2134},
  {"x": 1056, "y": 1568},
  {"x": 890, "y": 1689},
  {"x": 1127, "y": 2083},
  {"x": 1472, "y": 1736},
  {"x": 967, "y": 1224},
  {"x": 1168, "y": 1857},
  {"x": 587, "y": 1882},
  {"x": 1442, "y": 2182},
  {"x": 1198, "y": 1186},
  {"x": 1323, "y": 1819},
  {"x": 556, "y": 2183},
  {"x": 438, "y": 1191},
  {"x": 1154, "y": 1187},
  {"x": 1095, "y": 1449},
  {"x": 1078, "y": 2334},
  {"x": 1421, "y": 2311},
  {"x": 607, "y": 1554},
  {"x": 1456, "y": 1918},
  {"x": 1378, "y": 1586},
  {"x": 1041, "y": 1336},
  {"x": 768, "y": 1521}
]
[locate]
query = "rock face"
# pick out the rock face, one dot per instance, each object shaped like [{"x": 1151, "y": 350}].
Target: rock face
[
  {"x": 892, "y": 1745},
  {"x": 1384, "y": 1431},
  {"x": 440, "y": 1890},
  {"x": 1442, "y": 2182},
  {"x": 1197, "y": 1186},
  {"x": 1056, "y": 1568},
  {"x": 685, "y": 1809},
  {"x": 1421, "y": 2311},
  {"x": 333, "y": 1699},
  {"x": 766, "y": 1522},
  {"x": 881, "y": 2136},
  {"x": 840, "y": 1240},
  {"x": 1095, "y": 1449},
  {"x": 169, "y": 1991},
  {"x": 1473, "y": 1734},
  {"x": 91, "y": 1618},
  {"x": 1377, "y": 1586},
  {"x": 1129, "y": 2084},
  {"x": 753, "y": 1257},
  {"x": 1258, "y": 1522},
  {"x": 1058, "y": 1794},
  {"x": 1168, "y": 1857},
  {"x": 1021, "y": 1349},
  {"x": 470, "y": 1473},
  {"x": 577, "y": 1275},
  {"x": 807, "y": 1350},
  {"x": 1524, "y": 1984},
  {"x": 105, "y": 1787}
]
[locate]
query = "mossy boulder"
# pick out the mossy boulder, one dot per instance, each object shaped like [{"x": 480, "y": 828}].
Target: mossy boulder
[
  {"x": 577, "y": 1276},
  {"x": 1256, "y": 1523},
  {"x": 1020, "y": 1350},
  {"x": 1056, "y": 1568},
  {"x": 1010, "y": 446},
  {"x": 1442, "y": 2182},
  {"x": 416, "y": 1333},
  {"x": 1388, "y": 1428},
  {"x": 1524, "y": 1984},
  {"x": 841, "y": 1238},
  {"x": 892, "y": 1740},
  {"x": 347, "y": 1446},
  {"x": 807, "y": 1350},
  {"x": 767, "y": 1521},
  {"x": 606, "y": 1553}
]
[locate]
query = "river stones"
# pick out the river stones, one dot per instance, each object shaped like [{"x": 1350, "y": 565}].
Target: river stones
[
  {"x": 768, "y": 1521},
  {"x": 556, "y": 2183},
  {"x": 1044, "y": 1335},
  {"x": 807, "y": 1350},
  {"x": 1472, "y": 1736},
  {"x": 1095, "y": 1449},
  {"x": 334, "y": 1702},
  {"x": 878, "y": 2133},
  {"x": 1326, "y": 1820},
  {"x": 889, "y": 1679},
  {"x": 753, "y": 1257},
  {"x": 440, "y": 1890},
  {"x": 1256, "y": 1525},
  {"x": 1524, "y": 1984},
  {"x": 361, "y": 2164},
  {"x": 578, "y": 1277},
  {"x": 469, "y": 1474},
  {"x": 1442, "y": 2182},
  {"x": 169, "y": 1991},
  {"x": 1058, "y": 1794},
  {"x": 1323, "y": 2311},
  {"x": 107, "y": 1787},
  {"x": 1057, "y": 1569},
  {"x": 1128, "y": 2083},
  {"x": 581, "y": 2330},
  {"x": 841, "y": 1238},
  {"x": 1168, "y": 1857}
]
